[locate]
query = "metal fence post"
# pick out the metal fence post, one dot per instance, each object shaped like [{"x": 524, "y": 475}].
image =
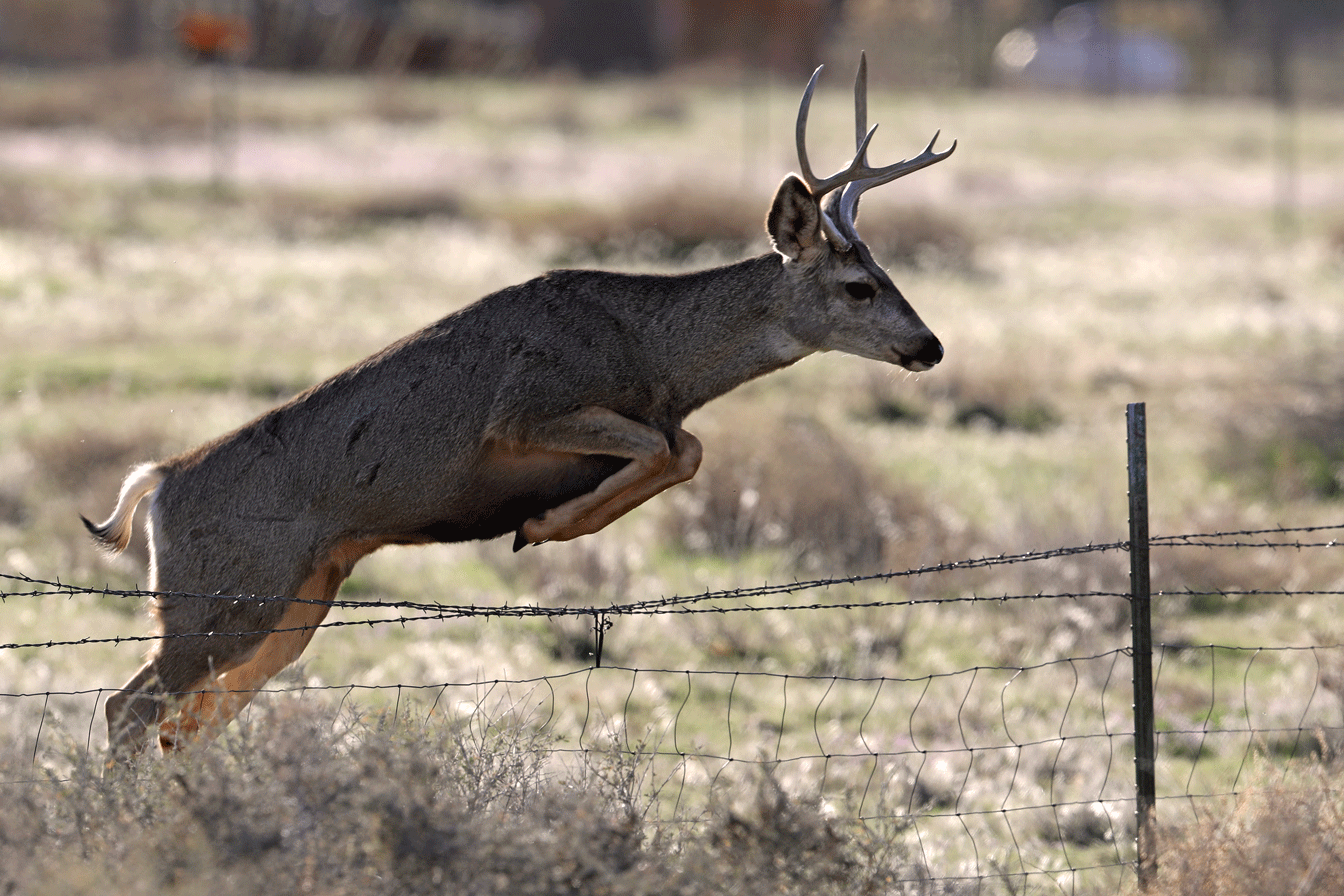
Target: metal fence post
[{"x": 1141, "y": 631}]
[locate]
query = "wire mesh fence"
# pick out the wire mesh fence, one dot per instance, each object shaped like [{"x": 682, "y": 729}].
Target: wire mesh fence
[{"x": 1020, "y": 772}]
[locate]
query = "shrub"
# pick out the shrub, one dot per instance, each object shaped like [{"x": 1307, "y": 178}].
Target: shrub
[
  {"x": 666, "y": 225},
  {"x": 798, "y": 488},
  {"x": 1284, "y": 836},
  {"x": 1289, "y": 444},
  {"x": 918, "y": 237},
  {"x": 337, "y": 214},
  {"x": 1001, "y": 398},
  {"x": 299, "y": 804},
  {"x": 676, "y": 224}
]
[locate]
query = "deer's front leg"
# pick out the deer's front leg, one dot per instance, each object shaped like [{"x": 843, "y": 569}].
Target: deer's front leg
[{"x": 654, "y": 466}]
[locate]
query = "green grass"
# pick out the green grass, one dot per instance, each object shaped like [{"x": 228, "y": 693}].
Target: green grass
[{"x": 1113, "y": 251}]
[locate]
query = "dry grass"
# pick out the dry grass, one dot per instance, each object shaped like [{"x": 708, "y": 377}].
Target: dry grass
[
  {"x": 1282, "y": 835},
  {"x": 382, "y": 805}
]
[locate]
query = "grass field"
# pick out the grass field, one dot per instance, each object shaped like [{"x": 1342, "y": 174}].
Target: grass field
[{"x": 1074, "y": 255}]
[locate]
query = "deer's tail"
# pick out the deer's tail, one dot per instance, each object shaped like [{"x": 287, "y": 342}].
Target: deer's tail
[{"x": 115, "y": 533}]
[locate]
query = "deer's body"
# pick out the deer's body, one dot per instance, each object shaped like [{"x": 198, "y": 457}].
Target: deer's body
[
  {"x": 354, "y": 457},
  {"x": 547, "y": 409}
]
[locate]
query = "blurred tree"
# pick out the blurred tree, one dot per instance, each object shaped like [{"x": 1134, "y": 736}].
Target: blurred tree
[
  {"x": 786, "y": 36},
  {"x": 975, "y": 43},
  {"x": 127, "y": 29},
  {"x": 597, "y": 36}
]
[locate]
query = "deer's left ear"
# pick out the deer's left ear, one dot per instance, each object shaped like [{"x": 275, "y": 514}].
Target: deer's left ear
[{"x": 794, "y": 223}]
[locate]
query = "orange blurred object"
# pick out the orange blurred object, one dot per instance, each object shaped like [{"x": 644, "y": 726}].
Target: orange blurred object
[{"x": 213, "y": 36}]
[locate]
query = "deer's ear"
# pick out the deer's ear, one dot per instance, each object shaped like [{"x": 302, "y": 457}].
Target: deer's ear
[{"x": 794, "y": 223}]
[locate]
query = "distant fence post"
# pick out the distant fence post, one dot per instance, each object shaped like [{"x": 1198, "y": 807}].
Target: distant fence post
[{"x": 1141, "y": 631}]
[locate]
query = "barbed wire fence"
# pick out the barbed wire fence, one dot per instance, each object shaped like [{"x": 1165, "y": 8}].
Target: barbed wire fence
[{"x": 1047, "y": 773}]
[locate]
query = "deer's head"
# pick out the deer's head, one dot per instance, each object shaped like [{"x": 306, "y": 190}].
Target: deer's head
[{"x": 846, "y": 301}]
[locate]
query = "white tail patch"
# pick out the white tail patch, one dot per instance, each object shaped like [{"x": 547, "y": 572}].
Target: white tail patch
[{"x": 115, "y": 533}]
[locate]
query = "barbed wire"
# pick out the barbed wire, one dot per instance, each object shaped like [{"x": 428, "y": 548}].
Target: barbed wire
[
  {"x": 684, "y": 604},
  {"x": 662, "y": 603},
  {"x": 1203, "y": 539},
  {"x": 1219, "y": 539},
  {"x": 433, "y": 612}
]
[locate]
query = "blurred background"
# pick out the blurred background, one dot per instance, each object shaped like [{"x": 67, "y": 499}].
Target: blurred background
[{"x": 1257, "y": 47}]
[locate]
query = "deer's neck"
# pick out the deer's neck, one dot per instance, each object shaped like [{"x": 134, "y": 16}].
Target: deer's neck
[{"x": 711, "y": 331}]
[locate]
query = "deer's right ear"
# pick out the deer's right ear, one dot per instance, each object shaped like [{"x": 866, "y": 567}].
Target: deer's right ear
[{"x": 794, "y": 223}]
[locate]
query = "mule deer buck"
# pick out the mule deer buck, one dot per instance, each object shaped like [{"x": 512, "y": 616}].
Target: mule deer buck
[{"x": 547, "y": 409}]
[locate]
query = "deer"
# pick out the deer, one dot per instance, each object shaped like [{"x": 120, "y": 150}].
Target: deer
[{"x": 547, "y": 409}]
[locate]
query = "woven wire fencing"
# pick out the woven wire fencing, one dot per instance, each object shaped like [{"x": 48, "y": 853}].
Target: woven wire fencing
[{"x": 1022, "y": 773}]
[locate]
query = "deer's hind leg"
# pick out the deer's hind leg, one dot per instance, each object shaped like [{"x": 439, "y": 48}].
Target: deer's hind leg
[
  {"x": 208, "y": 712},
  {"x": 131, "y": 712},
  {"x": 201, "y": 637},
  {"x": 177, "y": 668}
]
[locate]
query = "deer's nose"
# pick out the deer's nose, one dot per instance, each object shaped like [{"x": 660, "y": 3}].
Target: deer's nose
[{"x": 931, "y": 352}]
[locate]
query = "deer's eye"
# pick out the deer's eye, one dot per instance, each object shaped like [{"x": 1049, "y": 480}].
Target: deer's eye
[{"x": 860, "y": 290}]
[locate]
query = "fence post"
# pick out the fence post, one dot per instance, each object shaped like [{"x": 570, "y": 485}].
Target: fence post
[{"x": 1141, "y": 631}]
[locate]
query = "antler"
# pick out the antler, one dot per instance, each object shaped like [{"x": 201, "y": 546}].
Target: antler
[{"x": 857, "y": 177}]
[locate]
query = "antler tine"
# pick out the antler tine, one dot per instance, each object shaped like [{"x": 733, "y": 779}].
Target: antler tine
[
  {"x": 800, "y": 130},
  {"x": 855, "y": 169},
  {"x": 847, "y": 202},
  {"x": 861, "y": 102},
  {"x": 867, "y": 178},
  {"x": 857, "y": 177}
]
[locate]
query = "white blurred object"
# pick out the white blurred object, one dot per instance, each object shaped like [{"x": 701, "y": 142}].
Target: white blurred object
[{"x": 1078, "y": 51}]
